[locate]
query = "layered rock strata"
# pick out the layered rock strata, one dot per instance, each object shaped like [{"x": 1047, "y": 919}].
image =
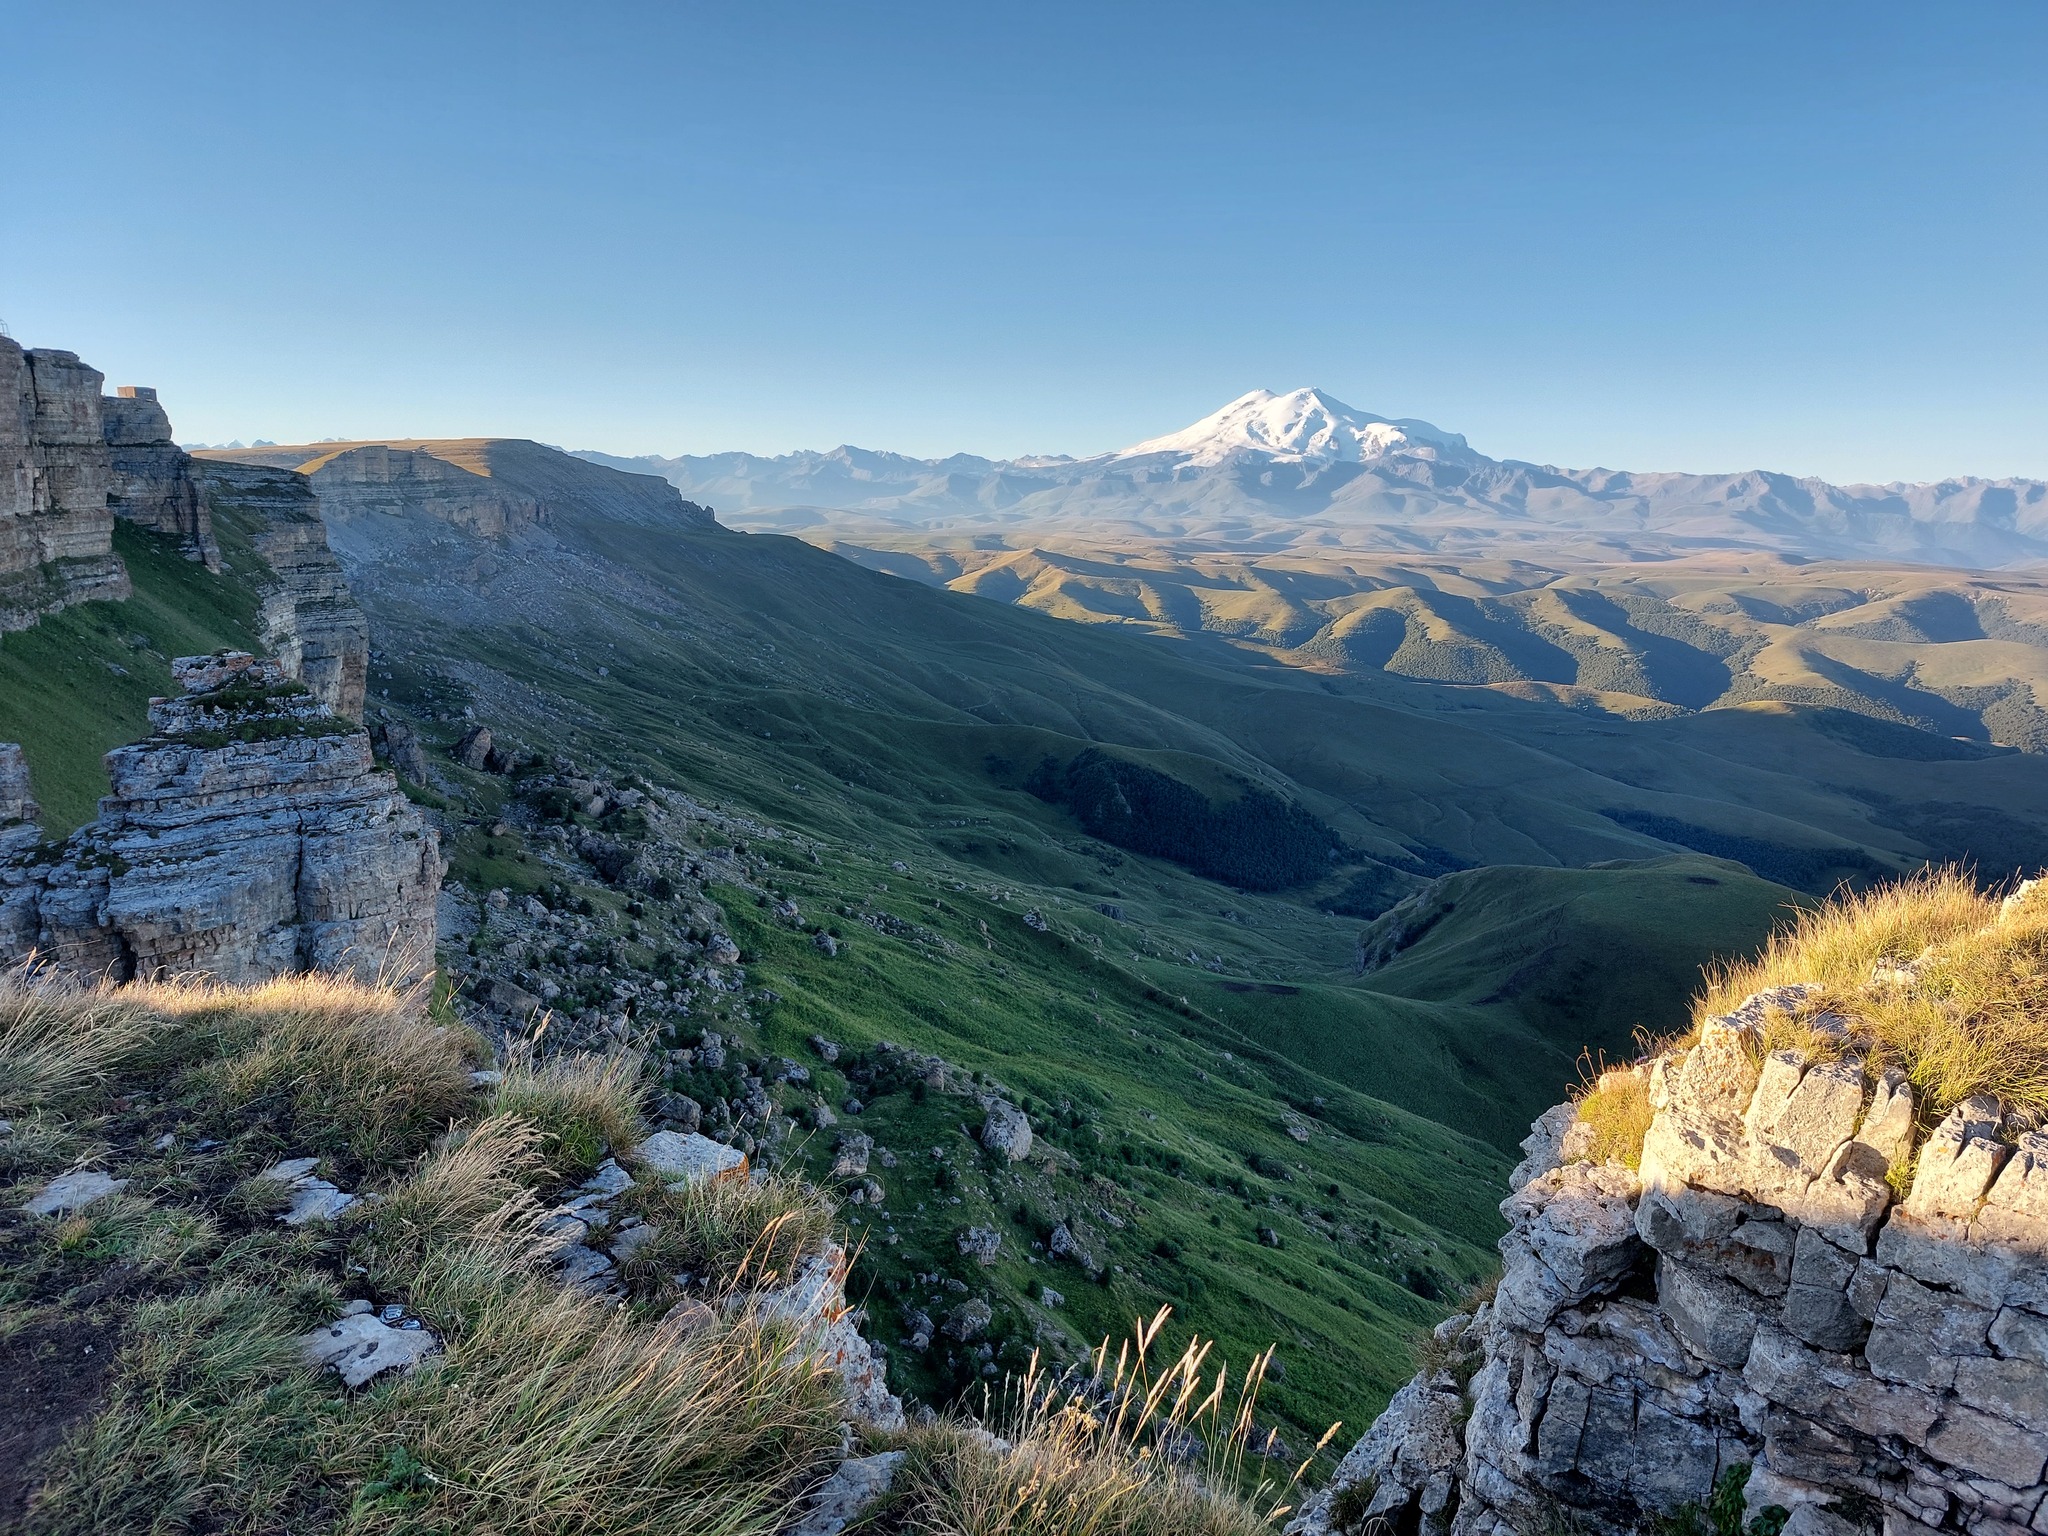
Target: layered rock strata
[
  {"x": 310, "y": 620},
  {"x": 56, "y": 532},
  {"x": 151, "y": 480},
  {"x": 1756, "y": 1296},
  {"x": 381, "y": 479},
  {"x": 250, "y": 836}
]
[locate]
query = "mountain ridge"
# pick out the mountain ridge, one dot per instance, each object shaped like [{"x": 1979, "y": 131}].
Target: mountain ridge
[{"x": 1270, "y": 472}]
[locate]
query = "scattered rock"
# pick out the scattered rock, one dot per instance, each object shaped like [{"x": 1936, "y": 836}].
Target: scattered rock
[
  {"x": 847, "y": 1493},
  {"x": 968, "y": 1321},
  {"x": 828, "y": 1050},
  {"x": 851, "y": 1152},
  {"x": 73, "y": 1192},
  {"x": 982, "y": 1244},
  {"x": 361, "y": 1348},
  {"x": 584, "y": 1268}
]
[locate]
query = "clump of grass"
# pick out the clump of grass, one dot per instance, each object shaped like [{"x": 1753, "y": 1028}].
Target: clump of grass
[
  {"x": 1615, "y": 1106},
  {"x": 132, "y": 1230},
  {"x": 42, "y": 1143},
  {"x": 1836, "y": 944},
  {"x": 60, "y": 1041},
  {"x": 554, "y": 1414},
  {"x": 724, "y": 1231},
  {"x": 335, "y": 1067},
  {"x": 1348, "y": 1505},
  {"x": 1973, "y": 1020},
  {"x": 1094, "y": 1456},
  {"x": 473, "y": 1191},
  {"x": 581, "y": 1104}
]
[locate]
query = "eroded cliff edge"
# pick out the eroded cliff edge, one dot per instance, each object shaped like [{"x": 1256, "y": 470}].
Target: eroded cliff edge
[{"x": 1803, "y": 1292}]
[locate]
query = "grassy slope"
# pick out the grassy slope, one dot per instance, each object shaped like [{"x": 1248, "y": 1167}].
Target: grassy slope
[
  {"x": 895, "y": 724},
  {"x": 80, "y": 682}
]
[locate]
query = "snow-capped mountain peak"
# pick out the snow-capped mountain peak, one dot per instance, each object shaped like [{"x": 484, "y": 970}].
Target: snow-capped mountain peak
[{"x": 1302, "y": 426}]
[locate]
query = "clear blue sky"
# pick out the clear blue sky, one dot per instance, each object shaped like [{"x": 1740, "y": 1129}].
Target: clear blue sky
[{"x": 1810, "y": 236}]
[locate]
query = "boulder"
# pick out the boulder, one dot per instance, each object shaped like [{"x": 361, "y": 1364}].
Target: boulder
[
  {"x": 403, "y": 750},
  {"x": 473, "y": 751},
  {"x": 982, "y": 1244},
  {"x": 1006, "y": 1130},
  {"x": 688, "y": 1158},
  {"x": 968, "y": 1321},
  {"x": 854, "y": 1486}
]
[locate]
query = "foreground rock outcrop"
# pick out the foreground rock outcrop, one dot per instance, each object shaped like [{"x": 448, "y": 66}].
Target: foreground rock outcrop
[
  {"x": 250, "y": 836},
  {"x": 1758, "y": 1295}
]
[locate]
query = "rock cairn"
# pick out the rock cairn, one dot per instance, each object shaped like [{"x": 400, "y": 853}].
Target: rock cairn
[
  {"x": 250, "y": 836},
  {"x": 1757, "y": 1295}
]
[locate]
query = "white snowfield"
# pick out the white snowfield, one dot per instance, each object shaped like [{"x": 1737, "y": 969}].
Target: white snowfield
[{"x": 1303, "y": 425}]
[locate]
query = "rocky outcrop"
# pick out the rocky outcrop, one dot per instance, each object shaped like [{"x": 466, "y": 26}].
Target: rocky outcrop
[
  {"x": 18, "y": 809},
  {"x": 491, "y": 487},
  {"x": 311, "y": 621},
  {"x": 1757, "y": 1296},
  {"x": 252, "y": 835},
  {"x": 374, "y": 479},
  {"x": 56, "y": 532},
  {"x": 151, "y": 480}
]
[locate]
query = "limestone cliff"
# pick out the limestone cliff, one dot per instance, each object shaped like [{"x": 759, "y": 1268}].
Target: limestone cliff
[
  {"x": 250, "y": 836},
  {"x": 1756, "y": 1296},
  {"x": 311, "y": 621},
  {"x": 491, "y": 488},
  {"x": 152, "y": 481},
  {"x": 56, "y": 532}
]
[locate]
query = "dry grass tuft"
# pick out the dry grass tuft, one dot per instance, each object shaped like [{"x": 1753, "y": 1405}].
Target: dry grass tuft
[
  {"x": 1096, "y": 1458},
  {"x": 725, "y": 1230},
  {"x": 1615, "y": 1105},
  {"x": 581, "y": 1104},
  {"x": 59, "y": 1041},
  {"x": 336, "y": 1067},
  {"x": 473, "y": 1191},
  {"x": 1973, "y": 1020},
  {"x": 554, "y": 1414}
]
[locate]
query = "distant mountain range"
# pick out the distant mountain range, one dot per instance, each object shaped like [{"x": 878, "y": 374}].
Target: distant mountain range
[{"x": 1302, "y": 470}]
